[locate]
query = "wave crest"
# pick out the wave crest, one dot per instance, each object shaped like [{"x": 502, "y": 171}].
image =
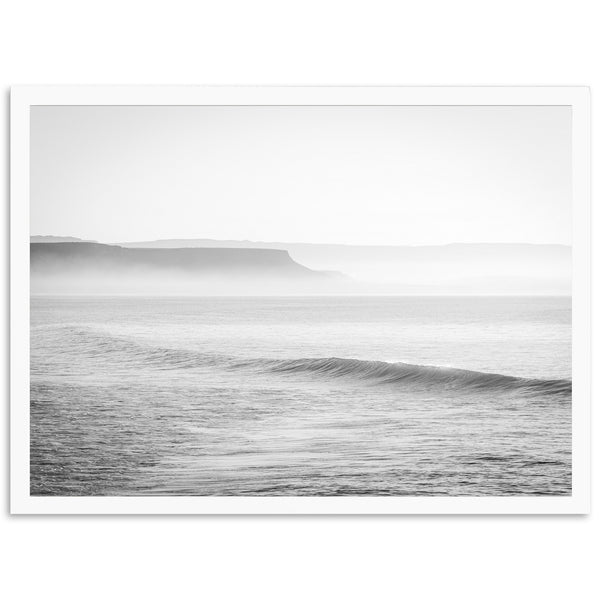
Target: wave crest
[
  {"x": 97, "y": 344},
  {"x": 380, "y": 372}
]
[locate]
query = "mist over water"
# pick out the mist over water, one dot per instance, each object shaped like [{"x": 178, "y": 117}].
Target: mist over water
[
  {"x": 301, "y": 396},
  {"x": 240, "y": 268}
]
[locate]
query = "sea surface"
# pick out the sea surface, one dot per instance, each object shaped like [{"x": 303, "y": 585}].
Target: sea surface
[{"x": 405, "y": 396}]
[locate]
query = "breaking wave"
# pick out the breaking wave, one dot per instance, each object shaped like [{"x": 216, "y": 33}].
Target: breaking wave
[
  {"x": 98, "y": 345},
  {"x": 395, "y": 373}
]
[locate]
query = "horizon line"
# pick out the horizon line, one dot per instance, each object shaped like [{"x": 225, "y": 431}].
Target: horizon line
[{"x": 363, "y": 245}]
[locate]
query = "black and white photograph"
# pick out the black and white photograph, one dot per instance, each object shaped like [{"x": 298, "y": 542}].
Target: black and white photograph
[{"x": 301, "y": 301}]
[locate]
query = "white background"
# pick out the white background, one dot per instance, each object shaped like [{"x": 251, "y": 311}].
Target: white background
[{"x": 420, "y": 43}]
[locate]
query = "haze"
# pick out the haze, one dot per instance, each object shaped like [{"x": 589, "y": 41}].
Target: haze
[{"x": 350, "y": 175}]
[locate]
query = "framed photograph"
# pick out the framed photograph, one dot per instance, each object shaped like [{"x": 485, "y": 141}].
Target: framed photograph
[{"x": 300, "y": 300}]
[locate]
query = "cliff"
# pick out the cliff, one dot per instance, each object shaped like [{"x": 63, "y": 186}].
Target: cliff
[{"x": 100, "y": 268}]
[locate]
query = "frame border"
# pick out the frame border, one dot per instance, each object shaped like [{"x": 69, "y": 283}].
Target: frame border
[{"x": 23, "y": 97}]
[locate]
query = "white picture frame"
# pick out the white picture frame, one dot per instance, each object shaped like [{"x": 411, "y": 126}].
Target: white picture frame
[{"x": 24, "y": 97}]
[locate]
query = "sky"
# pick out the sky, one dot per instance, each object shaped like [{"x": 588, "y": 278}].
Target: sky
[{"x": 367, "y": 175}]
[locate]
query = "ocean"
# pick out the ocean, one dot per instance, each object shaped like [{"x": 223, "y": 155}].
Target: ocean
[{"x": 300, "y": 396}]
